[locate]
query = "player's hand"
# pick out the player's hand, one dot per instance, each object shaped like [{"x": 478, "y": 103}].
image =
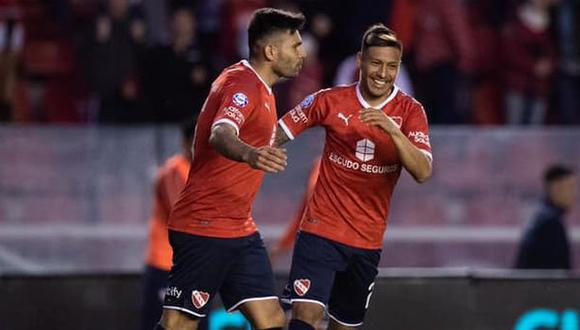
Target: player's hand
[
  {"x": 267, "y": 159},
  {"x": 379, "y": 119}
]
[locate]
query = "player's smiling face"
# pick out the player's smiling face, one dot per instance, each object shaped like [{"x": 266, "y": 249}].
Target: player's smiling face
[
  {"x": 291, "y": 55},
  {"x": 379, "y": 67}
]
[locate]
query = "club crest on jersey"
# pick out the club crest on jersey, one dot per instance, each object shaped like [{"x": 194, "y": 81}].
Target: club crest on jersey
[
  {"x": 307, "y": 101},
  {"x": 240, "y": 99},
  {"x": 199, "y": 298},
  {"x": 398, "y": 120},
  {"x": 301, "y": 286}
]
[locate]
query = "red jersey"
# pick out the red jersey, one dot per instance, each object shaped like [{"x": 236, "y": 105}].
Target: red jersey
[
  {"x": 219, "y": 193},
  {"x": 169, "y": 182},
  {"x": 360, "y": 164}
]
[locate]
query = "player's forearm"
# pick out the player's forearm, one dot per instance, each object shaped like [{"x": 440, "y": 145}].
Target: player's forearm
[
  {"x": 225, "y": 141},
  {"x": 281, "y": 137},
  {"x": 412, "y": 158}
]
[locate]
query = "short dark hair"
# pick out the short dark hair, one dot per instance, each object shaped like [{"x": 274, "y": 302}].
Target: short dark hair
[
  {"x": 266, "y": 21},
  {"x": 378, "y": 35},
  {"x": 188, "y": 130},
  {"x": 556, "y": 172}
]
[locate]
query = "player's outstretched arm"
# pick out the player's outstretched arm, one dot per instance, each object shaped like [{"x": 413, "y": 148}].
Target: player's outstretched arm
[
  {"x": 417, "y": 163},
  {"x": 225, "y": 140},
  {"x": 281, "y": 137}
]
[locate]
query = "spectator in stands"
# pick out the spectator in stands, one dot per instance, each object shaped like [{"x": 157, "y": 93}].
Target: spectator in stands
[
  {"x": 176, "y": 77},
  {"x": 529, "y": 63},
  {"x": 569, "y": 50},
  {"x": 169, "y": 182},
  {"x": 444, "y": 55},
  {"x": 11, "y": 41},
  {"x": 486, "y": 93},
  {"x": 545, "y": 244},
  {"x": 116, "y": 39}
]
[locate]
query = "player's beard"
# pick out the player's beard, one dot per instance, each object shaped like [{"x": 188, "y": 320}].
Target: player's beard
[{"x": 288, "y": 69}]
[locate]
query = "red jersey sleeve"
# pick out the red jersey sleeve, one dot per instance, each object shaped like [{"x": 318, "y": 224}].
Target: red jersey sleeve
[
  {"x": 416, "y": 129},
  {"x": 236, "y": 105},
  {"x": 310, "y": 112}
]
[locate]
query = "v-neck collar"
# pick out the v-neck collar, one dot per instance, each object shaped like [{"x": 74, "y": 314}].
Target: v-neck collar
[{"x": 364, "y": 102}]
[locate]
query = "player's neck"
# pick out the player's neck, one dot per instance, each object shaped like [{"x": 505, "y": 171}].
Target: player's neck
[
  {"x": 372, "y": 100},
  {"x": 264, "y": 71}
]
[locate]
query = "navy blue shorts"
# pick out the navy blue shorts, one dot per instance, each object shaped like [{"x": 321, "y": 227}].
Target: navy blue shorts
[
  {"x": 236, "y": 268},
  {"x": 334, "y": 275}
]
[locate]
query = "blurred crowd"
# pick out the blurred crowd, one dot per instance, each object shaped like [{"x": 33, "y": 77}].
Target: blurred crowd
[{"x": 488, "y": 62}]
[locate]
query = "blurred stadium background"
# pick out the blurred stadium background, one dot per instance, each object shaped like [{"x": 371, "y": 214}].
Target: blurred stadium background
[{"x": 91, "y": 96}]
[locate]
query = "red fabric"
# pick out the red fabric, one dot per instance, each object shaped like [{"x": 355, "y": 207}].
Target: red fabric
[
  {"x": 360, "y": 164},
  {"x": 523, "y": 48},
  {"x": 402, "y": 22},
  {"x": 442, "y": 34},
  {"x": 236, "y": 15},
  {"x": 218, "y": 197}
]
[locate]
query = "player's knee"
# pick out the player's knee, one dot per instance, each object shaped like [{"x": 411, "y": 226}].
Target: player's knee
[
  {"x": 307, "y": 312},
  {"x": 176, "y": 320},
  {"x": 274, "y": 319}
]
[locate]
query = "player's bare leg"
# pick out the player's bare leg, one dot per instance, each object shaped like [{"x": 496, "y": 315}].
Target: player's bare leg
[
  {"x": 306, "y": 312},
  {"x": 176, "y": 320},
  {"x": 264, "y": 314},
  {"x": 337, "y": 326}
]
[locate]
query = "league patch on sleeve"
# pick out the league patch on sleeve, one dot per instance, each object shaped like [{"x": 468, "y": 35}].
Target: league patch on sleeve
[
  {"x": 240, "y": 99},
  {"x": 307, "y": 101}
]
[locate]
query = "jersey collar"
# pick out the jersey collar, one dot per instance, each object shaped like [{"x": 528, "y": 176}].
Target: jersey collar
[
  {"x": 248, "y": 65},
  {"x": 365, "y": 104}
]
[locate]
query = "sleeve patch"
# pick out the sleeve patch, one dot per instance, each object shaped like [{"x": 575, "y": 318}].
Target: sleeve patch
[
  {"x": 419, "y": 137},
  {"x": 235, "y": 114},
  {"x": 307, "y": 101},
  {"x": 240, "y": 99}
]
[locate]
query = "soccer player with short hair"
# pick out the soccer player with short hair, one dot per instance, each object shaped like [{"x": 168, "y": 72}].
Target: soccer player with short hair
[
  {"x": 216, "y": 245},
  {"x": 373, "y": 130}
]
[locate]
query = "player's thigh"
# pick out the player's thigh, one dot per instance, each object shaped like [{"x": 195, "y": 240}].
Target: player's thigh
[
  {"x": 264, "y": 314},
  {"x": 176, "y": 320},
  {"x": 249, "y": 284},
  {"x": 353, "y": 288},
  {"x": 199, "y": 268},
  {"x": 314, "y": 264}
]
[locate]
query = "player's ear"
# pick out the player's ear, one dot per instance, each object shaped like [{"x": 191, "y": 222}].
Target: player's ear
[{"x": 270, "y": 52}]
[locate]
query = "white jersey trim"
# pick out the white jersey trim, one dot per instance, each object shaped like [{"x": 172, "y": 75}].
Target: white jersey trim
[
  {"x": 344, "y": 323},
  {"x": 226, "y": 121},
  {"x": 248, "y": 65},
  {"x": 365, "y": 104},
  {"x": 234, "y": 307},
  {"x": 286, "y": 129},
  {"x": 306, "y": 301},
  {"x": 185, "y": 310}
]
